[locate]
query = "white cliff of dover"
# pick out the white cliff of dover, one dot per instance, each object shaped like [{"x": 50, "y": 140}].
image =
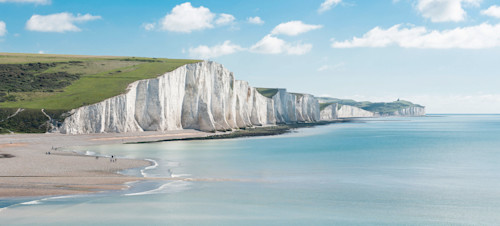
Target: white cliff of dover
[
  {"x": 410, "y": 111},
  {"x": 329, "y": 113},
  {"x": 333, "y": 111},
  {"x": 347, "y": 111},
  {"x": 203, "y": 96}
]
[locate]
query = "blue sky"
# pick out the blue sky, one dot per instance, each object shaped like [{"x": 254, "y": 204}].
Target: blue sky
[{"x": 440, "y": 53}]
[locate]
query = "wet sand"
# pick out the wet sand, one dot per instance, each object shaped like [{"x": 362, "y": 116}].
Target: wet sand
[{"x": 27, "y": 170}]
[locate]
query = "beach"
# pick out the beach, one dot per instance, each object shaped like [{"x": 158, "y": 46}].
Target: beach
[
  {"x": 45, "y": 165},
  {"x": 28, "y": 169}
]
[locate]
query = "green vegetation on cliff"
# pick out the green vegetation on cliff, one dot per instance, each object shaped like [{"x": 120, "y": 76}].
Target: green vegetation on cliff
[
  {"x": 324, "y": 105},
  {"x": 379, "y": 107},
  {"x": 64, "y": 82},
  {"x": 28, "y": 120},
  {"x": 267, "y": 92}
]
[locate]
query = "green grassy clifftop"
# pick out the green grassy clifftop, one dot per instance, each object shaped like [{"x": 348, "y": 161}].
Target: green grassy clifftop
[{"x": 64, "y": 82}]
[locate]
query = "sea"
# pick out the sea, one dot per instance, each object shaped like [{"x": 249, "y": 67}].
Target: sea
[{"x": 433, "y": 170}]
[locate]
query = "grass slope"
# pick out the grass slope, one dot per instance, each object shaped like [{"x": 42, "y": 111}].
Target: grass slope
[
  {"x": 64, "y": 82},
  {"x": 267, "y": 92},
  {"x": 324, "y": 105}
]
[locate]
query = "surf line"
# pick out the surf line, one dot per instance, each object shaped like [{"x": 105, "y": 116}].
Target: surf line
[{"x": 155, "y": 164}]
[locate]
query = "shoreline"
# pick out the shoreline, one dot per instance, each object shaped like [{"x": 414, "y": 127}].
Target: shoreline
[
  {"x": 27, "y": 170},
  {"x": 272, "y": 130}
]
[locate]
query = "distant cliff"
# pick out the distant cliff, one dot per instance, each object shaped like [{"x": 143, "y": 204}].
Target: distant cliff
[
  {"x": 409, "y": 111},
  {"x": 346, "y": 111},
  {"x": 203, "y": 96},
  {"x": 338, "y": 108},
  {"x": 334, "y": 111}
]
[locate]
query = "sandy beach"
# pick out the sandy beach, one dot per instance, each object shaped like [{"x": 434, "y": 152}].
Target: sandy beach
[{"x": 26, "y": 168}]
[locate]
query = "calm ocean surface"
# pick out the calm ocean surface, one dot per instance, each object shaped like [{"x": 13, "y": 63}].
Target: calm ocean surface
[{"x": 437, "y": 170}]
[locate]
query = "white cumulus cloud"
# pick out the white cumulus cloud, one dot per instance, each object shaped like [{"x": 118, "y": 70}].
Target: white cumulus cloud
[
  {"x": 206, "y": 52},
  {"x": 493, "y": 11},
  {"x": 444, "y": 10},
  {"x": 327, "y": 5},
  {"x": 185, "y": 18},
  {"x": 255, "y": 20},
  {"x": 39, "y": 2},
  {"x": 3, "y": 28},
  {"x": 273, "y": 45},
  {"x": 294, "y": 28},
  {"x": 474, "y": 37},
  {"x": 224, "y": 19},
  {"x": 59, "y": 22}
]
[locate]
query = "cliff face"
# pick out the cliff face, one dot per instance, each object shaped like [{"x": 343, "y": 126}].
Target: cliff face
[
  {"x": 203, "y": 96},
  {"x": 329, "y": 112},
  {"x": 332, "y": 112},
  {"x": 290, "y": 107},
  {"x": 411, "y": 111},
  {"x": 347, "y": 111}
]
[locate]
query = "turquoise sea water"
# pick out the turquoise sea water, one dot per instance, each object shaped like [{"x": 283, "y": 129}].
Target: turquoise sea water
[{"x": 437, "y": 170}]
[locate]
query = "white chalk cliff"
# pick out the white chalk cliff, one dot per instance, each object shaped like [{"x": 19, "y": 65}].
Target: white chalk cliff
[
  {"x": 410, "y": 111},
  {"x": 329, "y": 112},
  {"x": 332, "y": 112},
  {"x": 347, "y": 111},
  {"x": 203, "y": 96}
]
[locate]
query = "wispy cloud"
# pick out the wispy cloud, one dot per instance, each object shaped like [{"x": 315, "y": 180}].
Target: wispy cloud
[
  {"x": 255, "y": 20},
  {"x": 149, "y": 26},
  {"x": 327, "y": 5},
  {"x": 273, "y": 45},
  {"x": 293, "y": 28},
  {"x": 225, "y": 19},
  {"x": 326, "y": 67},
  {"x": 206, "y": 52},
  {"x": 474, "y": 37},
  {"x": 323, "y": 68},
  {"x": 3, "y": 28},
  {"x": 267, "y": 45},
  {"x": 59, "y": 22}
]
